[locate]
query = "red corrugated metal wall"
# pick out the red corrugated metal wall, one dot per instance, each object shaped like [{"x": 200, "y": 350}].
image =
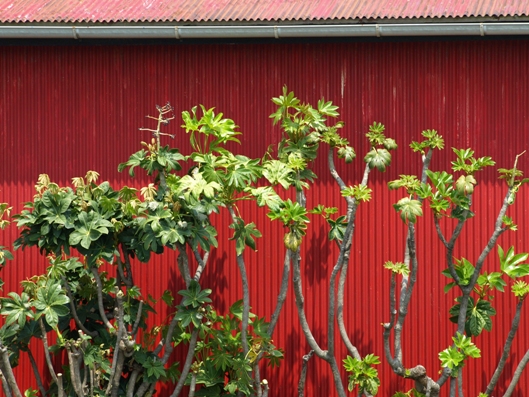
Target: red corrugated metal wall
[{"x": 68, "y": 109}]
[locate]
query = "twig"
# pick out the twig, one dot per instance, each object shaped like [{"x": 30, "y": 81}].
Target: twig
[
  {"x": 7, "y": 371},
  {"x": 303, "y": 375},
  {"x": 201, "y": 264},
  {"x": 132, "y": 381},
  {"x": 245, "y": 293},
  {"x": 193, "y": 385},
  {"x": 282, "y": 296},
  {"x": 138, "y": 319},
  {"x": 5, "y": 386},
  {"x": 506, "y": 349},
  {"x": 460, "y": 384},
  {"x": 187, "y": 363},
  {"x": 183, "y": 263},
  {"x": 75, "y": 376},
  {"x": 73, "y": 309},
  {"x": 517, "y": 374},
  {"x": 36, "y": 372},
  {"x": 300, "y": 303},
  {"x": 47, "y": 350},
  {"x": 100, "y": 299}
]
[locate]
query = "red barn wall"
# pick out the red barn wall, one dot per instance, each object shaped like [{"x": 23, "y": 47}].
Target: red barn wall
[{"x": 68, "y": 109}]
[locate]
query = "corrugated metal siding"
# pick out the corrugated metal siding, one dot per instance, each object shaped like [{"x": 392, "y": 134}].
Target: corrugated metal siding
[
  {"x": 250, "y": 10},
  {"x": 65, "y": 110}
]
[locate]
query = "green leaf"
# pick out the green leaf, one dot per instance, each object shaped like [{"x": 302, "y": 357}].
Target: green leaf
[
  {"x": 277, "y": 172},
  {"x": 465, "y": 184},
  {"x": 267, "y": 196},
  {"x": 476, "y": 323},
  {"x": 347, "y": 153},
  {"x": 197, "y": 186},
  {"x": 203, "y": 236},
  {"x": 338, "y": 227},
  {"x": 194, "y": 296},
  {"x": 327, "y": 108},
  {"x": 409, "y": 209},
  {"x": 520, "y": 289},
  {"x": 378, "y": 158},
  {"x": 409, "y": 182},
  {"x": 155, "y": 368},
  {"x": 492, "y": 280},
  {"x": 390, "y": 144},
  {"x": 451, "y": 358},
  {"x": 511, "y": 263},
  {"x": 89, "y": 227},
  {"x": 244, "y": 235},
  {"x": 397, "y": 268},
  {"x": 51, "y": 301},
  {"x": 237, "y": 310},
  {"x": 134, "y": 161},
  {"x": 464, "y": 270},
  {"x": 16, "y": 309},
  {"x": 358, "y": 192}
]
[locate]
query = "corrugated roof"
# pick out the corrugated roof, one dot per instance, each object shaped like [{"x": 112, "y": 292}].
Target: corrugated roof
[{"x": 182, "y": 11}]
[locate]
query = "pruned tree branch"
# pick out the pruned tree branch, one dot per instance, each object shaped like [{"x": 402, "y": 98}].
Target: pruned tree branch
[
  {"x": 303, "y": 375},
  {"x": 506, "y": 349}
]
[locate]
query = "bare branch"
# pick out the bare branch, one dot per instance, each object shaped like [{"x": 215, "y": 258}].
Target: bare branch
[
  {"x": 36, "y": 372},
  {"x": 406, "y": 295},
  {"x": 440, "y": 232},
  {"x": 5, "y": 386},
  {"x": 138, "y": 319},
  {"x": 100, "y": 305},
  {"x": 517, "y": 374},
  {"x": 460, "y": 384},
  {"x": 7, "y": 371},
  {"x": 245, "y": 293},
  {"x": 345, "y": 246},
  {"x": 132, "y": 380},
  {"x": 395, "y": 364},
  {"x": 60, "y": 385},
  {"x": 423, "y": 383},
  {"x": 332, "y": 168},
  {"x": 75, "y": 376},
  {"x": 183, "y": 263},
  {"x": 201, "y": 264},
  {"x": 282, "y": 294},
  {"x": 187, "y": 363},
  {"x": 116, "y": 356},
  {"x": 506, "y": 349},
  {"x": 193, "y": 385},
  {"x": 73, "y": 310},
  {"x": 303, "y": 375},
  {"x": 47, "y": 350},
  {"x": 298, "y": 292}
]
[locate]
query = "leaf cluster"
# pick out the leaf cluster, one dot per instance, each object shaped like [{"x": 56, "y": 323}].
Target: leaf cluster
[
  {"x": 153, "y": 160},
  {"x": 363, "y": 374},
  {"x": 304, "y": 128},
  {"x": 379, "y": 156},
  {"x": 294, "y": 217},
  {"x": 222, "y": 368},
  {"x": 432, "y": 141},
  {"x": 209, "y": 132},
  {"x": 454, "y": 356}
]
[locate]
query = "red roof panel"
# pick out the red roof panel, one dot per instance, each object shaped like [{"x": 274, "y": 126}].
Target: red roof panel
[{"x": 182, "y": 11}]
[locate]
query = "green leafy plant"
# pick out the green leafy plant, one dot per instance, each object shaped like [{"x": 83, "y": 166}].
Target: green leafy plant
[
  {"x": 363, "y": 374},
  {"x": 87, "y": 308},
  {"x": 454, "y": 356}
]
